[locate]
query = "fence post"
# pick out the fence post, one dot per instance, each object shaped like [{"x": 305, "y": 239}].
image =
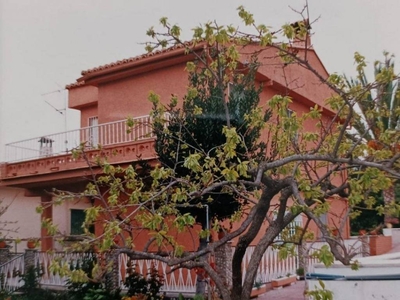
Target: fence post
[
  {"x": 223, "y": 262},
  {"x": 29, "y": 258},
  {"x": 112, "y": 275},
  {"x": 4, "y": 255},
  {"x": 365, "y": 249}
]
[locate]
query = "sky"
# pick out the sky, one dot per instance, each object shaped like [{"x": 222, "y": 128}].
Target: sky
[{"x": 45, "y": 44}]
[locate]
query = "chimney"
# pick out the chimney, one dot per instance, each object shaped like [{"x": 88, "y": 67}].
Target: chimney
[{"x": 302, "y": 41}]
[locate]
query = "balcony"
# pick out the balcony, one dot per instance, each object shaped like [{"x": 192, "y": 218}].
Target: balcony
[{"x": 50, "y": 157}]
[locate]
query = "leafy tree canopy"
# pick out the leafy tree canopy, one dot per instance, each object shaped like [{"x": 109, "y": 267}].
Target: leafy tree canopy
[{"x": 377, "y": 114}]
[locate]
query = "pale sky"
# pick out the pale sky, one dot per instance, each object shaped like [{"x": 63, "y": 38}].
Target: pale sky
[{"x": 45, "y": 44}]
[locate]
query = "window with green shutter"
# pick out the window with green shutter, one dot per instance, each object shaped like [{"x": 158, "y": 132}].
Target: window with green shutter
[{"x": 77, "y": 220}]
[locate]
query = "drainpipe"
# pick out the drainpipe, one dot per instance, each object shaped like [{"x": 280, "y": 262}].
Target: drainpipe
[{"x": 207, "y": 223}]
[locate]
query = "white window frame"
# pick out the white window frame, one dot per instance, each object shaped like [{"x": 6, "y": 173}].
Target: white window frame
[
  {"x": 297, "y": 222},
  {"x": 93, "y": 131}
]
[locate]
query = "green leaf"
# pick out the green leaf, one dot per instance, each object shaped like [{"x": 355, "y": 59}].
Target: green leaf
[
  {"x": 230, "y": 174},
  {"x": 192, "y": 162},
  {"x": 321, "y": 283},
  {"x": 325, "y": 255},
  {"x": 164, "y": 21}
]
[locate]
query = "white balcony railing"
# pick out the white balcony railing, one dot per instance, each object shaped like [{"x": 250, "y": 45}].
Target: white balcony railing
[{"x": 64, "y": 142}]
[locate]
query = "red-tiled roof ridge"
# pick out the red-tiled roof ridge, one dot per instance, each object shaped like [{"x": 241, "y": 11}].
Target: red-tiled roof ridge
[
  {"x": 75, "y": 84},
  {"x": 81, "y": 81},
  {"x": 135, "y": 58}
]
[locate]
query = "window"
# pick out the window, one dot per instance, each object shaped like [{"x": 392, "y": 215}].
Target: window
[
  {"x": 77, "y": 220},
  {"x": 290, "y": 229},
  {"x": 93, "y": 131}
]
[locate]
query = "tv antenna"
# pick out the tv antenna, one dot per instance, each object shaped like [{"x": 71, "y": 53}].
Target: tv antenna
[{"x": 60, "y": 111}]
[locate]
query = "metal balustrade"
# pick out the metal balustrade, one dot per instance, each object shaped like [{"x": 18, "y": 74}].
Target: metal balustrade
[{"x": 90, "y": 137}]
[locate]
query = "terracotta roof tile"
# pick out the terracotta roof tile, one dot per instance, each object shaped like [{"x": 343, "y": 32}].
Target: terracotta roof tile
[
  {"x": 74, "y": 85},
  {"x": 135, "y": 58},
  {"x": 125, "y": 61}
]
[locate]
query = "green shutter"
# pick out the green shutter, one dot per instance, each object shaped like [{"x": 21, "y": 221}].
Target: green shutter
[{"x": 77, "y": 219}]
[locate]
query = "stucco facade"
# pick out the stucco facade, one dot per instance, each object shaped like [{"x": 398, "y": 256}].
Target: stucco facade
[{"x": 20, "y": 221}]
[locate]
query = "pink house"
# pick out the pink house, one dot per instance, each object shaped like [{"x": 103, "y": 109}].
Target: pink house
[{"x": 108, "y": 94}]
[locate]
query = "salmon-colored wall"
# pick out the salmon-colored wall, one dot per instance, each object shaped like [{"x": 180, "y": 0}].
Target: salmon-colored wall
[
  {"x": 336, "y": 218},
  {"x": 189, "y": 238},
  {"x": 118, "y": 99},
  {"x": 296, "y": 78},
  {"x": 128, "y": 97},
  {"x": 379, "y": 244},
  {"x": 82, "y": 96},
  {"x": 88, "y": 112}
]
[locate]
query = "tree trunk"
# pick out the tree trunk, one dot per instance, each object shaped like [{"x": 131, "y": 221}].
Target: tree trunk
[
  {"x": 272, "y": 232},
  {"x": 223, "y": 263},
  {"x": 302, "y": 252},
  {"x": 271, "y": 188},
  {"x": 201, "y": 283},
  {"x": 244, "y": 241}
]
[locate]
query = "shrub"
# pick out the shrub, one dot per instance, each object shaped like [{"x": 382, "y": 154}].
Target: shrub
[{"x": 148, "y": 286}]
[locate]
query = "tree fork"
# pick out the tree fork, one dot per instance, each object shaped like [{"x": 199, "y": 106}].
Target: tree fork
[{"x": 261, "y": 208}]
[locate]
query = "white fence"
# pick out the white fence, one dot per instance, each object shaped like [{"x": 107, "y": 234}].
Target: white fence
[
  {"x": 10, "y": 273},
  {"x": 270, "y": 266},
  {"x": 184, "y": 280},
  {"x": 43, "y": 260},
  {"x": 179, "y": 281},
  {"x": 91, "y": 137}
]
